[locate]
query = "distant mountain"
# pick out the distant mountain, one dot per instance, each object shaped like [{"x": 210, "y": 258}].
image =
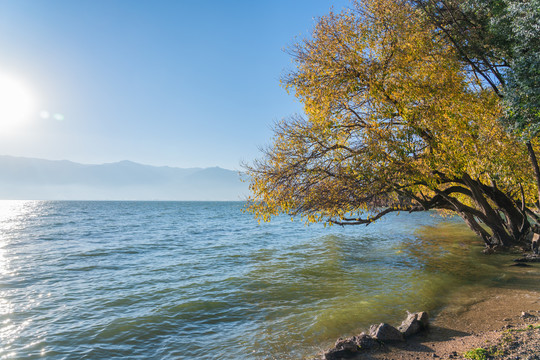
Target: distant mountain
[{"x": 37, "y": 179}]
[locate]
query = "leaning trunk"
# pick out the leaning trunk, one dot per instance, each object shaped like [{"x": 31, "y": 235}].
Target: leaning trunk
[
  {"x": 534, "y": 162},
  {"x": 508, "y": 224}
]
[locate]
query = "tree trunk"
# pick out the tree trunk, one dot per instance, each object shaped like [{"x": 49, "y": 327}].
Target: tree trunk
[
  {"x": 508, "y": 223},
  {"x": 515, "y": 218},
  {"x": 497, "y": 224},
  {"x": 474, "y": 226},
  {"x": 532, "y": 157}
]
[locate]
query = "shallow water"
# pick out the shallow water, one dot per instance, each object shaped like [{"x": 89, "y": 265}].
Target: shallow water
[{"x": 175, "y": 280}]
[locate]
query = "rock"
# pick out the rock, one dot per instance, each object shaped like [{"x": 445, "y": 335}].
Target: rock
[
  {"x": 385, "y": 332},
  {"x": 346, "y": 344},
  {"x": 410, "y": 326},
  {"x": 334, "y": 354},
  {"x": 528, "y": 258},
  {"x": 423, "y": 317},
  {"x": 526, "y": 315},
  {"x": 364, "y": 341},
  {"x": 349, "y": 348},
  {"x": 414, "y": 323}
]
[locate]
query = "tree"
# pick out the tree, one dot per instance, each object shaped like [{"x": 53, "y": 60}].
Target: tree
[
  {"x": 499, "y": 42},
  {"x": 394, "y": 122}
]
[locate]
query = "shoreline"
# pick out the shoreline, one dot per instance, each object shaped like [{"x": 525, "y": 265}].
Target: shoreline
[
  {"x": 482, "y": 323},
  {"x": 477, "y": 317}
]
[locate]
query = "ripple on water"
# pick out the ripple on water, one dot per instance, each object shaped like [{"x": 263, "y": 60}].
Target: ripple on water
[{"x": 169, "y": 280}]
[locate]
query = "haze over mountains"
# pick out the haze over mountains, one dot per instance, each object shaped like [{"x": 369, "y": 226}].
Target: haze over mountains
[{"x": 37, "y": 179}]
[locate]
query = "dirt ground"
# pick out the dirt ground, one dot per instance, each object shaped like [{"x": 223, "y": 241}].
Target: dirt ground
[{"x": 492, "y": 320}]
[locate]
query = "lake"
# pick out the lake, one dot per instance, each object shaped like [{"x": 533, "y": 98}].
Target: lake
[{"x": 202, "y": 280}]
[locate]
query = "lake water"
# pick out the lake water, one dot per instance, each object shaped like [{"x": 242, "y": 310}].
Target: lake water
[{"x": 202, "y": 280}]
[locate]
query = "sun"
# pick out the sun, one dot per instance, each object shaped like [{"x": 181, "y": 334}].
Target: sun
[{"x": 16, "y": 103}]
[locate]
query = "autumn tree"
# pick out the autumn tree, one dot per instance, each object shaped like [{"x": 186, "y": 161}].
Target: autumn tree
[
  {"x": 393, "y": 121},
  {"x": 499, "y": 42}
]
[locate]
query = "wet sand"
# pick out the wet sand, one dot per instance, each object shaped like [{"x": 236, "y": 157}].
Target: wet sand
[
  {"x": 478, "y": 319},
  {"x": 481, "y": 322}
]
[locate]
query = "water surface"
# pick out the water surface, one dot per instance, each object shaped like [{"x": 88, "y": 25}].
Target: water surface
[{"x": 184, "y": 280}]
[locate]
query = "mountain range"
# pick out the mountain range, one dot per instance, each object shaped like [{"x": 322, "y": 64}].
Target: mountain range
[{"x": 38, "y": 179}]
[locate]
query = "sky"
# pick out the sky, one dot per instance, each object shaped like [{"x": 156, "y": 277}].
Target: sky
[{"x": 185, "y": 83}]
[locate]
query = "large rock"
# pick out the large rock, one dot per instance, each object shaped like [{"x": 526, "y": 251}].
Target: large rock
[
  {"x": 364, "y": 341},
  {"x": 414, "y": 323},
  {"x": 343, "y": 349},
  {"x": 348, "y": 348},
  {"x": 385, "y": 332},
  {"x": 423, "y": 317},
  {"x": 346, "y": 344}
]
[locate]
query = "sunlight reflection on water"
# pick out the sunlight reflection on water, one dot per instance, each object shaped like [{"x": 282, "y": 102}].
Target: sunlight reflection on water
[
  {"x": 172, "y": 280},
  {"x": 13, "y": 215}
]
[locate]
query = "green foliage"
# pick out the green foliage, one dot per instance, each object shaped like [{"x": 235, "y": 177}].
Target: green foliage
[
  {"x": 520, "y": 24},
  {"x": 499, "y": 40},
  {"x": 529, "y": 327},
  {"x": 477, "y": 354}
]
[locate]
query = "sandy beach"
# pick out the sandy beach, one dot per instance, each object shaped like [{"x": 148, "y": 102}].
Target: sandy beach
[
  {"x": 504, "y": 320},
  {"x": 486, "y": 321},
  {"x": 492, "y": 317}
]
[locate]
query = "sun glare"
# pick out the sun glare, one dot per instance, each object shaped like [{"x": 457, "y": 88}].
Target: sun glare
[{"x": 16, "y": 103}]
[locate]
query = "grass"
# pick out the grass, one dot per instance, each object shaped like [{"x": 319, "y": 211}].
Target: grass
[
  {"x": 530, "y": 327},
  {"x": 484, "y": 354},
  {"x": 477, "y": 354}
]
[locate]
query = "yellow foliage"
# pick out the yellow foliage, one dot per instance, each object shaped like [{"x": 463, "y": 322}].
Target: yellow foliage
[{"x": 391, "y": 116}]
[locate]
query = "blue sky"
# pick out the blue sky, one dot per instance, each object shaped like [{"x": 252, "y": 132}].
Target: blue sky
[{"x": 181, "y": 83}]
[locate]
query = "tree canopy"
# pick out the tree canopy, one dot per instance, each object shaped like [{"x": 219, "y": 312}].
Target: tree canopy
[
  {"x": 395, "y": 120},
  {"x": 500, "y": 42}
]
